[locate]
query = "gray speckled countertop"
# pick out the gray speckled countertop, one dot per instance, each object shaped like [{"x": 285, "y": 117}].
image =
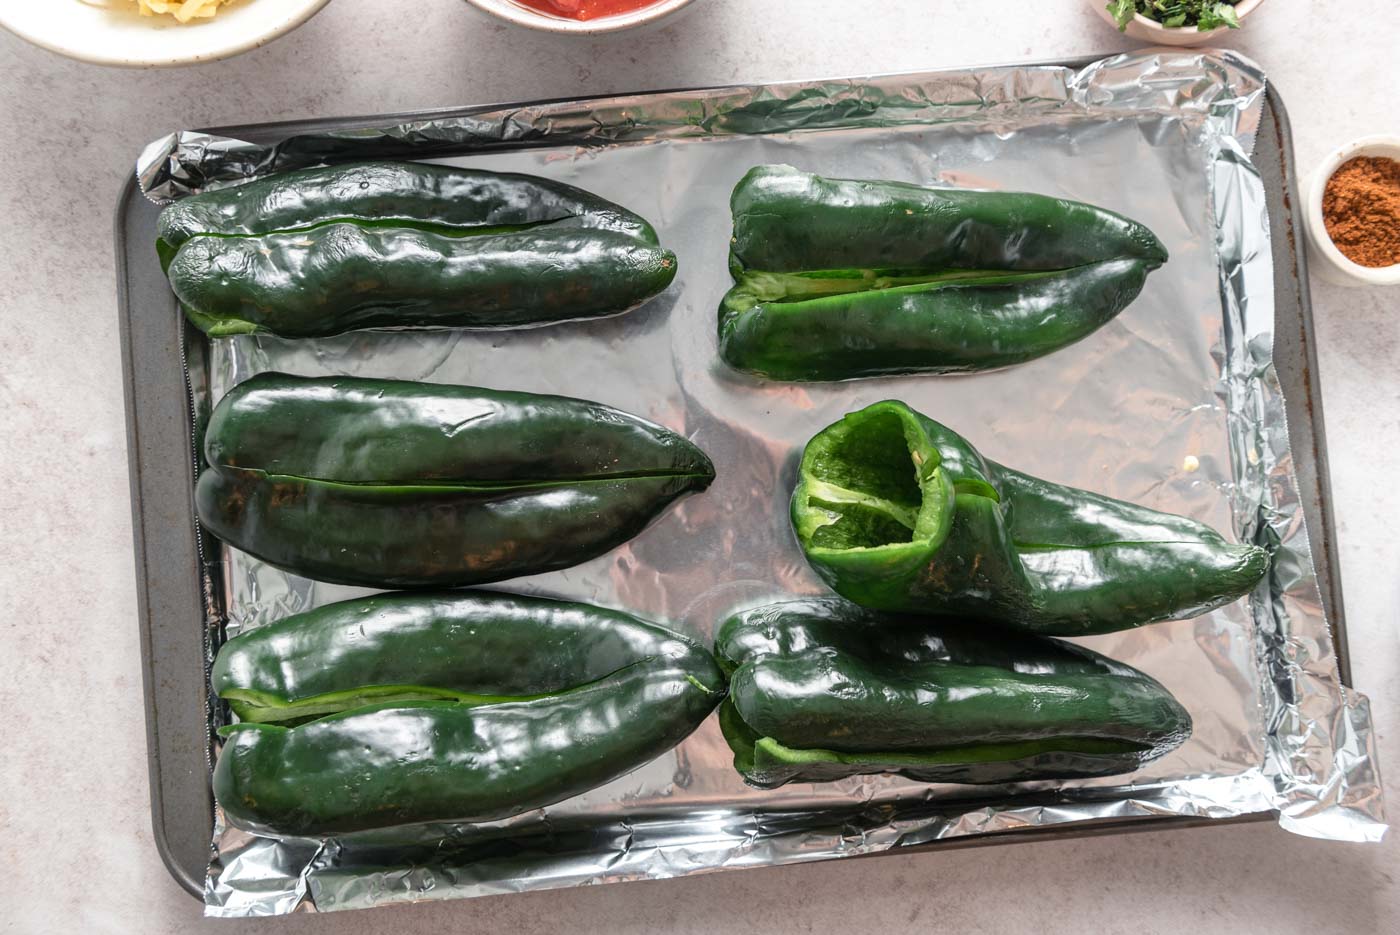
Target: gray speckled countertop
[{"x": 72, "y": 737}]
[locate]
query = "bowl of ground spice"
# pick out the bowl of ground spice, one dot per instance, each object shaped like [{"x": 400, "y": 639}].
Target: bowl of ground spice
[{"x": 1353, "y": 213}]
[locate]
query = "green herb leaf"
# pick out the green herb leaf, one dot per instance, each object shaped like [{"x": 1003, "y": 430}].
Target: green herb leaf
[
  {"x": 1174, "y": 14},
  {"x": 1122, "y": 12},
  {"x": 1228, "y": 16}
]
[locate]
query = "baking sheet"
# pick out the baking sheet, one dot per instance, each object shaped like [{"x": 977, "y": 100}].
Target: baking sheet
[{"x": 1185, "y": 371}]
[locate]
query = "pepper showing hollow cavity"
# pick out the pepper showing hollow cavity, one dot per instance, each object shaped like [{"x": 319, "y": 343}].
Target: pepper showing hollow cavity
[
  {"x": 837, "y": 279},
  {"x": 822, "y": 689},
  {"x": 460, "y": 706},
  {"x": 403, "y": 245},
  {"x": 394, "y": 484},
  {"x": 898, "y": 513}
]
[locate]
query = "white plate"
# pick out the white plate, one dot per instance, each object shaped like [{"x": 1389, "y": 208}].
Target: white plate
[{"x": 119, "y": 36}]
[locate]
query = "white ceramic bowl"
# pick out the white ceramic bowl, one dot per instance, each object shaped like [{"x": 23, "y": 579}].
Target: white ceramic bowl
[
  {"x": 526, "y": 16},
  {"x": 1149, "y": 30},
  {"x": 120, "y": 36},
  {"x": 1327, "y": 261}
]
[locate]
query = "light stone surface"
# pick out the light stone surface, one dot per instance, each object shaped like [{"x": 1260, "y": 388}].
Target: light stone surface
[{"x": 72, "y": 736}]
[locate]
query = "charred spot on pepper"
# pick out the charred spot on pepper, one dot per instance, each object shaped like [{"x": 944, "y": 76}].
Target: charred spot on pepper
[{"x": 283, "y": 494}]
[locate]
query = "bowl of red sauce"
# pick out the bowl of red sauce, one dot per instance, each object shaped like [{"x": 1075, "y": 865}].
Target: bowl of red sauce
[{"x": 585, "y": 17}]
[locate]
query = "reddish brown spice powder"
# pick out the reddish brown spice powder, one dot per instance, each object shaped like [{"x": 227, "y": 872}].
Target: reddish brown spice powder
[{"x": 1361, "y": 208}]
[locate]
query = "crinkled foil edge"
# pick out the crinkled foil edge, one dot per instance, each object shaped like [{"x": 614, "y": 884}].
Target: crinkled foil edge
[
  {"x": 1320, "y": 772},
  {"x": 1320, "y": 752}
]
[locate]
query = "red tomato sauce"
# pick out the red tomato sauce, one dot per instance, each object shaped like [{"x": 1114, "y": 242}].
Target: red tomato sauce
[{"x": 585, "y": 9}]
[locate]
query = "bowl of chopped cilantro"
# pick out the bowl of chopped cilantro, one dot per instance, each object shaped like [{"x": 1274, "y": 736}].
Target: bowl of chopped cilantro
[{"x": 1175, "y": 22}]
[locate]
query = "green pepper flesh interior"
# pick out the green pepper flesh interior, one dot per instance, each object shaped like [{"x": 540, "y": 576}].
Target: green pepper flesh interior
[
  {"x": 761, "y": 287},
  {"x": 258, "y": 707},
  {"x": 938, "y": 756},
  {"x": 749, "y": 747},
  {"x": 440, "y": 228},
  {"x": 462, "y": 486},
  {"x": 877, "y": 482}
]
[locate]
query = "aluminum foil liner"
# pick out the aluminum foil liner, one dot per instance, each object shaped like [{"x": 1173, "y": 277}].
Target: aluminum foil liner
[{"x": 1174, "y": 405}]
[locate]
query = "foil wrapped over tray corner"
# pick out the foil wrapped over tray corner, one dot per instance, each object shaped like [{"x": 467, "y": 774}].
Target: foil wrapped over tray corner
[{"x": 1176, "y": 405}]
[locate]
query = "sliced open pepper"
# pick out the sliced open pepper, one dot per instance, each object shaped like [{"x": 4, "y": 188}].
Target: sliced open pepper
[
  {"x": 404, "y": 245},
  {"x": 394, "y": 484},
  {"x": 837, "y": 279},
  {"x": 896, "y": 512},
  {"x": 821, "y": 690},
  {"x": 453, "y": 706}
]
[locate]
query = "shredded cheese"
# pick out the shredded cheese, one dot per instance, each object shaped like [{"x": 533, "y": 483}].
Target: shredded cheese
[{"x": 182, "y": 10}]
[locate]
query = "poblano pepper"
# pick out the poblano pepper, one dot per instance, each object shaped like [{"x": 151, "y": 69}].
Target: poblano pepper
[
  {"x": 457, "y": 706},
  {"x": 400, "y": 245},
  {"x": 822, "y": 689},
  {"x": 896, "y": 512},
  {"x": 393, "y": 484},
  {"x": 837, "y": 278}
]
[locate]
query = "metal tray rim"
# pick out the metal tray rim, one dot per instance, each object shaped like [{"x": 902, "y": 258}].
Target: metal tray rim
[{"x": 183, "y": 875}]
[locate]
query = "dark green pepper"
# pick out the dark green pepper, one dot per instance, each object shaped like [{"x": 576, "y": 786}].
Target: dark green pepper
[
  {"x": 463, "y": 706},
  {"x": 898, "y": 513},
  {"x": 397, "y": 245},
  {"x": 821, "y": 690},
  {"x": 387, "y": 483},
  {"x": 471, "y": 647},
  {"x": 837, "y": 279}
]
